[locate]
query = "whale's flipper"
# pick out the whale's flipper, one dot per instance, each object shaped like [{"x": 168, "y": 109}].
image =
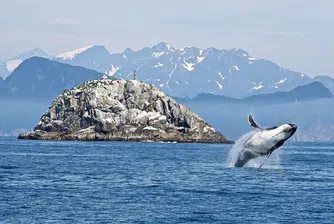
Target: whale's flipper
[
  {"x": 265, "y": 159},
  {"x": 252, "y": 122}
]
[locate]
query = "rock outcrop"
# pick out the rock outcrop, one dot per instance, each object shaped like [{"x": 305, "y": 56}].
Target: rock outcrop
[{"x": 118, "y": 110}]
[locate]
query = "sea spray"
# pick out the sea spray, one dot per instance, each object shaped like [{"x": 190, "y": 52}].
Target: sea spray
[
  {"x": 236, "y": 148},
  {"x": 272, "y": 162}
]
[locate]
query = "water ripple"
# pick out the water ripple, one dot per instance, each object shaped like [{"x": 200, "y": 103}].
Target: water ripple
[{"x": 111, "y": 182}]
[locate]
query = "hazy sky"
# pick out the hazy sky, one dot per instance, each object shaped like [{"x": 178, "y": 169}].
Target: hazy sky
[{"x": 296, "y": 34}]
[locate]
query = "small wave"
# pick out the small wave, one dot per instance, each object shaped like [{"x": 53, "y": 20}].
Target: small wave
[
  {"x": 168, "y": 142},
  {"x": 8, "y": 167}
]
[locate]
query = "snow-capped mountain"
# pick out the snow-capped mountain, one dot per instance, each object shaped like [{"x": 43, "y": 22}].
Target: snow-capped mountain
[
  {"x": 70, "y": 55},
  {"x": 92, "y": 57},
  {"x": 189, "y": 71},
  {"x": 13, "y": 63}
]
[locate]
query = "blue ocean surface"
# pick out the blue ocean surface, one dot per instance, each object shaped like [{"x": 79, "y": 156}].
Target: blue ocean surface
[{"x": 119, "y": 182}]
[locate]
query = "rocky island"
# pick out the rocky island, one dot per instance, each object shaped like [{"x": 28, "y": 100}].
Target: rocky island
[{"x": 119, "y": 110}]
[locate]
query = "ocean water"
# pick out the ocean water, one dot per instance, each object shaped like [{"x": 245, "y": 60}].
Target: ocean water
[{"x": 118, "y": 182}]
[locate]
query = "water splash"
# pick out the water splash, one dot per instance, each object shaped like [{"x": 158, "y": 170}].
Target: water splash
[
  {"x": 236, "y": 148},
  {"x": 273, "y": 161}
]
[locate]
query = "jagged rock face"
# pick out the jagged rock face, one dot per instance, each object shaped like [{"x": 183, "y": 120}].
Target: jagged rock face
[{"x": 121, "y": 110}]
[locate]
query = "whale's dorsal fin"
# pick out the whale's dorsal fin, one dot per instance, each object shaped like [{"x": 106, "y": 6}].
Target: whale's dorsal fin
[{"x": 252, "y": 122}]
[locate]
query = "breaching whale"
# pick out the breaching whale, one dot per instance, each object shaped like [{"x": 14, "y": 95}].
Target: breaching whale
[{"x": 263, "y": 141}]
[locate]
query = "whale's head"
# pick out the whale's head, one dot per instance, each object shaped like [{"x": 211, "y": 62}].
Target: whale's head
[{"x": 284, "y": 131}]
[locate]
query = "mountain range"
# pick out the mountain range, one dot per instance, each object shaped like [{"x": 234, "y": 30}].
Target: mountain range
[
  {"x": 44, "y": 78},
  {"x": 189, "y": 71}
]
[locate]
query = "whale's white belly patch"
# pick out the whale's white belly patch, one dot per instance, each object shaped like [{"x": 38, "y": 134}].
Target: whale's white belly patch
[{"x": 261, "y": 142}]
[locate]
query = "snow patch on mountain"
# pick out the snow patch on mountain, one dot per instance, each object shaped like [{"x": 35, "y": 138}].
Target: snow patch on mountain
[
  {"x": 200, "y": 59},
  {"x": 188, "y": 66},
  {"x": 236, "y": 68},
  {"x": 221, "y": 75},
  {"x": 157, "y": 55},
  {"x": 170, "y": 48},
  {"x": 158, "y": 65},
  {"x": 219, "y": 85},
  {"x": 257, "y": 87},
  {"x": 113, "y": 70},
  {"x": 170, "y": 74},
  {"x": 281, "y": 81},
  {"x": 13, "y": 64},
  {"x": 70, "y": 55}
]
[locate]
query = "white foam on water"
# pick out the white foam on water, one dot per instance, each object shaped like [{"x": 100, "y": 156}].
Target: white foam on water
[{"x": 273, "y": 162}]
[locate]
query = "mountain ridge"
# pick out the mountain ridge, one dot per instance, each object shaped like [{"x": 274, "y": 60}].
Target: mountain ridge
[
  {"x": 14, "y": 62},
  {"x": 40, "y": 77},
  {"x": 313, "y": 91}
]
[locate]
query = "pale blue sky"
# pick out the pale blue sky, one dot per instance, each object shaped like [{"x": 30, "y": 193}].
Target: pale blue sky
[{"x": 295, "y": 34}]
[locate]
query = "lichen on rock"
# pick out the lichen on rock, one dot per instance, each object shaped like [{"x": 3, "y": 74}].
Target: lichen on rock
[{"x": 121, "y": 110}]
